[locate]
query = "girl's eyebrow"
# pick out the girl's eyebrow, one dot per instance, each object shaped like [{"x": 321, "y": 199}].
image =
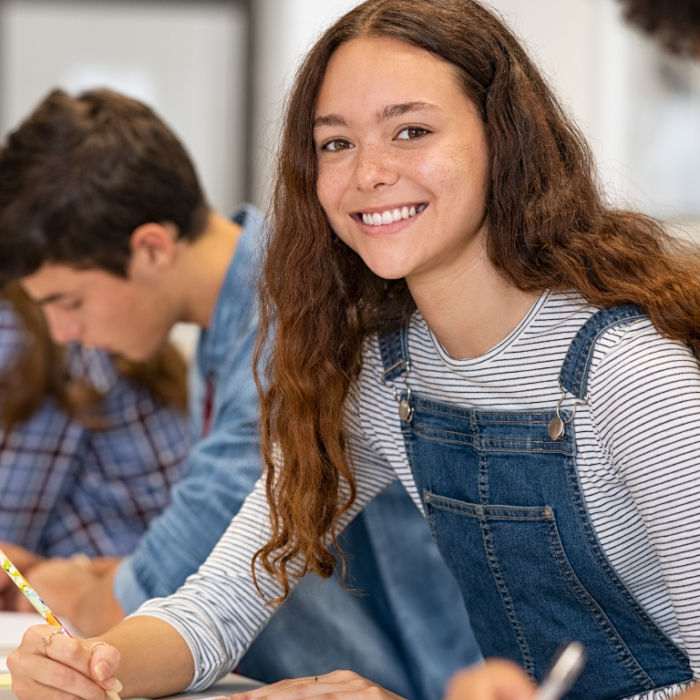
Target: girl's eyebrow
[
  {"x": 397, "y": 110},
  {"x": 387, "y": 112},
  {"x": 329, "y": 120}
]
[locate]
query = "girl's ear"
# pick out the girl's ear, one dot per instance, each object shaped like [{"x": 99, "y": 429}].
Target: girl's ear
[{"x": 153, "y": 248}]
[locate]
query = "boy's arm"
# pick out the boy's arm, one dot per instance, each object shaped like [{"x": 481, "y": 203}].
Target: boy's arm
[
  {"x": 78, "y": 591},
  {"x": 221, "y": 471}
]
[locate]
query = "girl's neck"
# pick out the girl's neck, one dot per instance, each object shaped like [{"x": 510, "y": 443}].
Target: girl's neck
[{"x": 471, "y": 307}]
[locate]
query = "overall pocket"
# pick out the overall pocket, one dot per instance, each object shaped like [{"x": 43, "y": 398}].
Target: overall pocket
[{"x": 523, "y": 596}]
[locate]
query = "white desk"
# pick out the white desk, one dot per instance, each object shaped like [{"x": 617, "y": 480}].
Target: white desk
[{"x": 226, "y": 686}]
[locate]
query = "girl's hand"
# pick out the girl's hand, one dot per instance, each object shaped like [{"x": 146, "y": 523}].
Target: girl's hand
[
  {"x": 49, "y": 666},
  {"x": 345, "y": 684},
  {"x": 497, "y": 679}
]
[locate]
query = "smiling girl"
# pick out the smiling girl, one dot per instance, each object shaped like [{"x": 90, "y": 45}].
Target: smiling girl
[{"x": 454, "y": 305}]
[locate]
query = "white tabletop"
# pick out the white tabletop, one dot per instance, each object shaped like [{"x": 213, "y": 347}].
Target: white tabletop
[{"x": 226, "y": 686}]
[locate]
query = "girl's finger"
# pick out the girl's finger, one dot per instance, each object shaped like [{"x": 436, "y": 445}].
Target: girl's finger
[
  {"x": 54, "y": 664},
  {"x": 36, "y": 675},
  {"x": 103, "y": 663}
]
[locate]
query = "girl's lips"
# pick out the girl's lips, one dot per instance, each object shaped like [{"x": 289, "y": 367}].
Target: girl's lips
[{"x": 388, "y": 228}]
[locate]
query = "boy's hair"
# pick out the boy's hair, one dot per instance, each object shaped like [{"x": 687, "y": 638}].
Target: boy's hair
[
  {"x": 81, "y": 173},
  {"x": 675, "y": 22}
]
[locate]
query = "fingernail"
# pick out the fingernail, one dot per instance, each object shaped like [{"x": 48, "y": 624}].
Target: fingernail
[
  {"x": 113, "y": 695},
  {"x": 101, "y": 671},
  {"x": 118, "y": 686}
]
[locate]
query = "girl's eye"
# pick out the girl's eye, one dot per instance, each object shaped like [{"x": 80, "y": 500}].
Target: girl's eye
[
  {"x": 337, "y": 145},
  {"x": 73, "y": 304},
  {"x": 411, "y": 132}
]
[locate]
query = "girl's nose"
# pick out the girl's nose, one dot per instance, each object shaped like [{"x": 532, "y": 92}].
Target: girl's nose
[{"x": 374, "y": 168}]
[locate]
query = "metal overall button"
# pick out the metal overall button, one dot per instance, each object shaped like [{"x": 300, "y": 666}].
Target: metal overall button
[
  {"x": 557, "y": 426},
  {"x": 405, "y": 408}
]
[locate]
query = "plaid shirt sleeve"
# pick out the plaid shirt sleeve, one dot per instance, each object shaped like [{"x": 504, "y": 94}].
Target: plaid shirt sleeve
[{"x": 66, "y": 489}]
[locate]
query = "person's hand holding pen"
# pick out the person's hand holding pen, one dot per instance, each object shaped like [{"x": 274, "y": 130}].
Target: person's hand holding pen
[
  {"x": 48, "y": 660},
  {"x": 497, "y": 679}
]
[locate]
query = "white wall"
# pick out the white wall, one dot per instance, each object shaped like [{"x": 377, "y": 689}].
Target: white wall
[
  {"x": 283, "y": 31},
  {"x": 641, "y": 131},
  {"x": 186, "y": 59},
  {"x": 586, "y": 50},
  {"x": 560, "y": 36}
]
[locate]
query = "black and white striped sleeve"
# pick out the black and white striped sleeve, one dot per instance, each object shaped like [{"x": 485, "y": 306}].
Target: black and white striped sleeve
[
  {"x": 218, "y": 610},
  {"x": 644, "y": 398}
]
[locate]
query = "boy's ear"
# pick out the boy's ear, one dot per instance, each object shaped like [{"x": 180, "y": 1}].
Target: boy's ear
[{"x": 153, "y": 246}]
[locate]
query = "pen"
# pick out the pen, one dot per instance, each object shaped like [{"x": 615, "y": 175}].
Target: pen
[
  {"x": 30, "y": 593},
  {"x": 565, "y": 668}
]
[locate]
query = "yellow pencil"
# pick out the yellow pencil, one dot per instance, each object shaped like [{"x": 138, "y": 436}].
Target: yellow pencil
[{"x": 31, "y": 594}]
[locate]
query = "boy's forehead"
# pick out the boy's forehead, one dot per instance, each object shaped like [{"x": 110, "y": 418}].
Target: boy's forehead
[{"x": 51, "y": 282}]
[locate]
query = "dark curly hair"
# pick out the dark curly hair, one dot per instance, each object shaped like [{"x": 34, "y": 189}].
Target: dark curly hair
[{"x": 675, "y": 22}]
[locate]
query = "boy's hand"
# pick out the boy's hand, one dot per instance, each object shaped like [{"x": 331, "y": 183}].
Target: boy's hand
[
  {"x": 79, "y": 591},
  {"x": 497, "y": 679}
]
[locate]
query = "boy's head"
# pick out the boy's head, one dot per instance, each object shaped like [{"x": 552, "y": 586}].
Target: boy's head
[
  {"x": 675, "y": 22},
  {"x": 94, "y": 193}
]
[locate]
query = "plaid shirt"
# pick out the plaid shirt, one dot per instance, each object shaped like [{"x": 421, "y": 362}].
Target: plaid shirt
[{"x": 67, "y": 489}]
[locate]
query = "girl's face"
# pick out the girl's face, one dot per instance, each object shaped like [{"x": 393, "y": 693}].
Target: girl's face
[{"x": 402, "y": 159}]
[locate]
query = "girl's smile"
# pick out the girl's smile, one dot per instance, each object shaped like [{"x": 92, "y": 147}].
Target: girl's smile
[
  {"x": 402, "y": 157},
  {"x": 384, "y": 221}
]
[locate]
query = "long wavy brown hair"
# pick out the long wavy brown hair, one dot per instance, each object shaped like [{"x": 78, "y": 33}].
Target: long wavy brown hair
[
  {"x": 38, "y": 371},
  {"x": 549, "y": 227}
]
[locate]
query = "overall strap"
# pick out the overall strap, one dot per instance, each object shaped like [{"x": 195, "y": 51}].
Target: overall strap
[
  {"x": 394, "y": 352},
  {"x": 573, "y": 377}
]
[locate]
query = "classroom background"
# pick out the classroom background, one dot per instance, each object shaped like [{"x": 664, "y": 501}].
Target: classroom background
[{"x": 217, "y": 71}]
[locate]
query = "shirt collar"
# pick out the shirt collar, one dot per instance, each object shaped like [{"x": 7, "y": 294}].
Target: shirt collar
[{"x": 236, "y": 301}]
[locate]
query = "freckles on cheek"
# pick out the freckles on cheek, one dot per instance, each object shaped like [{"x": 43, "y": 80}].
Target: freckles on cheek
[{"x": 329, "y": 184}]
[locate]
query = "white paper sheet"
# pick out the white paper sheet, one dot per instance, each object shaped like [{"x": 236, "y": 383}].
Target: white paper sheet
[{"x": 12, "y": 627}]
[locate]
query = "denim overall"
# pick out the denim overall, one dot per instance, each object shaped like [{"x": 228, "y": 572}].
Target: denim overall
[{"x": 506, "y": 510}]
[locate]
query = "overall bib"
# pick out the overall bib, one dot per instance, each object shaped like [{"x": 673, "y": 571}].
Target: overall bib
[{"x": 505, "y": 507}]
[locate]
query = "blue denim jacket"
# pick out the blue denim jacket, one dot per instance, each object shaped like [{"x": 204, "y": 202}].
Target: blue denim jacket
[
  {"x": 408, "y": 632},
  {"x": 222, "y": 467}
]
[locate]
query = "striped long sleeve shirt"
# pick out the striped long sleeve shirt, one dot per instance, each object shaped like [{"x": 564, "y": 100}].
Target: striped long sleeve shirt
[{"x": 638, "y": 460}]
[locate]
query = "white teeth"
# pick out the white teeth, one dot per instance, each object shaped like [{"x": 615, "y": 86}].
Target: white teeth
[{"x": 391, "y": 215}]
